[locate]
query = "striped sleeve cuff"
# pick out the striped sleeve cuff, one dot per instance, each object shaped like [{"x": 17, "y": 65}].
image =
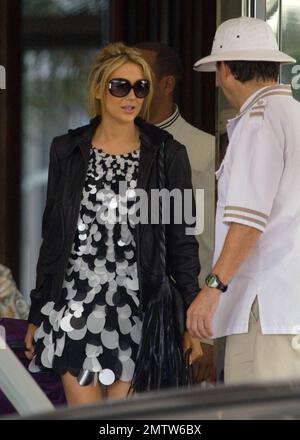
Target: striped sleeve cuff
[{"x": 245, "y": 216}]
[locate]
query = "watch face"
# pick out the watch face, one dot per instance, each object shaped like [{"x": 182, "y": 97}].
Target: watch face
[{"x": 212, "y": 281}]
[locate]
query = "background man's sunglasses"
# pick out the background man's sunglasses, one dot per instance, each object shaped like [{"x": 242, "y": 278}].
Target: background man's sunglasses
[{"x": 120, "y": 87}]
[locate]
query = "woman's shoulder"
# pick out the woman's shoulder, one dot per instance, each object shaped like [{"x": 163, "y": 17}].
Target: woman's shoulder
[{"x": 64, "y": 144}]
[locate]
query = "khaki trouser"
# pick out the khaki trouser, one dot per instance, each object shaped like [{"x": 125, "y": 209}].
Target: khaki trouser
[{"x": 253, "y": 357}]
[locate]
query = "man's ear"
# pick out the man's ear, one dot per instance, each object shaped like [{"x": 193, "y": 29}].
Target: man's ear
[
  {"x": 226, "y": 70},
  {"x": 168, "y": 84}
]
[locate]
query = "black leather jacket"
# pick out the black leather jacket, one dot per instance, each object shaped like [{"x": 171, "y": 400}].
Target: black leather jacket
[{"x": 69, "y": 157}]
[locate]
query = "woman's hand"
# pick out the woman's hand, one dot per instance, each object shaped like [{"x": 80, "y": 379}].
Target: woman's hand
[
  {"x": 205, "y": 368},
  {"x": 202, "y": 359},
  {"x": 29, "y": 341},
  {"x": 195, "y": 345}
]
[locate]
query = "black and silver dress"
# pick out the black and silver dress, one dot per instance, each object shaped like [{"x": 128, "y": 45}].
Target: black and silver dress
[{"x": 95, "y": 330}]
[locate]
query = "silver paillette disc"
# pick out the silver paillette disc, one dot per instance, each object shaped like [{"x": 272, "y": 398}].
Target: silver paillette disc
[{"x": 107, "y": 376}]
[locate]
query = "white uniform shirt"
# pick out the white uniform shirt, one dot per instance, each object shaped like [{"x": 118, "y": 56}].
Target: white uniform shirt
[
  {"x": 201, "y": 152},
  {"x": 259, "y": 186}
]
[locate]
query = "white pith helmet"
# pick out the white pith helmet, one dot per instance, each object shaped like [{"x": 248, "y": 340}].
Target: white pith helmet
[{"x": 243, "y": 39}]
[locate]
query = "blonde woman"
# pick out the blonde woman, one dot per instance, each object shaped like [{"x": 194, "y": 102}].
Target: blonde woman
[{"x": 86, "y": 316}]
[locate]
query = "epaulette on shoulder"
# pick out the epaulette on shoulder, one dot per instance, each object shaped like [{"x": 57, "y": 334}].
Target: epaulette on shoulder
[{"x": 258, "y": 109}]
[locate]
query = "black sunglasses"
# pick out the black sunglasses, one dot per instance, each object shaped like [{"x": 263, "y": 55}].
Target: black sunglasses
[{"x": 120, "y": 87}]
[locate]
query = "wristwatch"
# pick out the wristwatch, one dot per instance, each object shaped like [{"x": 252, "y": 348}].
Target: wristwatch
[{"x": 212, "y": 280}]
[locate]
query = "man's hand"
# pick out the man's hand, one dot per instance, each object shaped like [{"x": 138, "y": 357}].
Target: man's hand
[{"x": 201, "y": 312}]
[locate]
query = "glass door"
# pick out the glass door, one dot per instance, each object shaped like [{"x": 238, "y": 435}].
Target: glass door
[
  {"x": 284, "y": 17},
  {"x": 60, "y": 38}
]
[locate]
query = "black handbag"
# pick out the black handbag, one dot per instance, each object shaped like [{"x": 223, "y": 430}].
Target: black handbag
[{"x": 161, "y": 362}]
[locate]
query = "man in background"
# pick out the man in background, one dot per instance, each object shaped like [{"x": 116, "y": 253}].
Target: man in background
[{"x": 164, "y": 113}]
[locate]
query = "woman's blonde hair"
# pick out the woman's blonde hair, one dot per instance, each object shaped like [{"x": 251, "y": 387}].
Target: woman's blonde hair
[{"x": 108, "y": 59}]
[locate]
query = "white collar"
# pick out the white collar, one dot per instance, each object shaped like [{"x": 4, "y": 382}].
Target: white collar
[{"x": 171, "y": 119}]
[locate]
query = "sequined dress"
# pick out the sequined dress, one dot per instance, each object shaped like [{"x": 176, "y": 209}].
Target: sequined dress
[{"x": 94, "y": 332}]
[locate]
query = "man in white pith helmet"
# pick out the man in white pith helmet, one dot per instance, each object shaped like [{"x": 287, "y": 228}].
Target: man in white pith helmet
[{"x": 252, "y": 295}]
